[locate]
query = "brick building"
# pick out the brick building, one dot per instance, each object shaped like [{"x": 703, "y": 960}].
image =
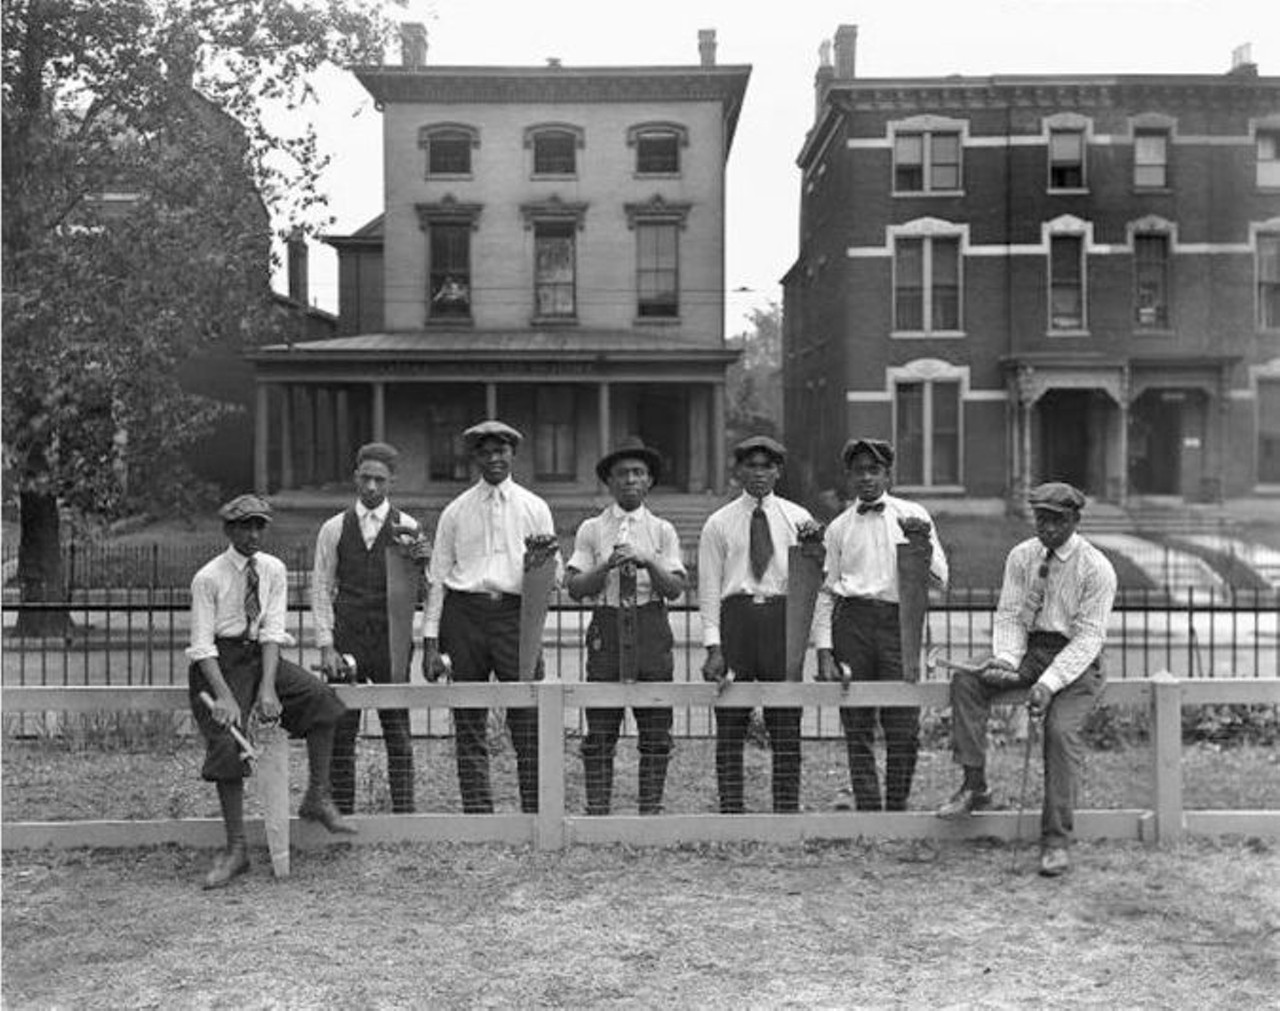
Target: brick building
[
  {"x": 1027, "y": 278},
  {"x": 551, "y": 252}
]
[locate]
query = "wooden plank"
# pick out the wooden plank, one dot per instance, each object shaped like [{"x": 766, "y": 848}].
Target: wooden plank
[
  {"x": 549, "y": 832},
  {"x": 1236, "y": 691},
  {"x": 1166, "y": 743},
  {"x": 804, "y": 579},
  {"x": 1247, "y": 823}
]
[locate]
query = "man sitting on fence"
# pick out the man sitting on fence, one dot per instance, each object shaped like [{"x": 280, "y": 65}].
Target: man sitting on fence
[
  {"x": 238, "y": 605},
  {"x": 1048, "y": 634},
  {"x": 628, "y": 560}
]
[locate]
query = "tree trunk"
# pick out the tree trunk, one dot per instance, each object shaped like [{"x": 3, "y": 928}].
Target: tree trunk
[{"x": 40, "y": 567}]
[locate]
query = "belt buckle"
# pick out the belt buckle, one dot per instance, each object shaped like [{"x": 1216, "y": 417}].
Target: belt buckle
[
  {"x": 759, "y": 598},
  {"x": 493, "y": 595}
]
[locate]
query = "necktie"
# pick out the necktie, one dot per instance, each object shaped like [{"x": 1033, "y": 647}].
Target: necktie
[
  {"x": 761, "y": 541},
  {"x": 252, "y": 602},
  {"x": 626, "y": 573},
  {"x": 1034, "y": 603},
  {"x": 869, "y": 507}
]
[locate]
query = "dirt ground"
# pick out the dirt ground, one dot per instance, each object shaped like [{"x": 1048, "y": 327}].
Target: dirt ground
[{"x": 741, "y": 926}]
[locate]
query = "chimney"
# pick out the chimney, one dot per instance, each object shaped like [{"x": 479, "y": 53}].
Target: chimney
[
  {"x": 707, "y": 46},
  {"x": 846, "y": 49},
  {"x": 1242, "y": 64},
  {"x": 413, "y": 44},
  {"x": 296, "y": 246},
  {"x": 822, "y": 79}
]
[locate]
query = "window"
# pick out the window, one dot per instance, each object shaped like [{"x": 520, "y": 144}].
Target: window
[
  {"x": 450, "y": 271},
  {"x": 1268, "y": 431},
  {"x": 927, "y": 435},
  {"x": 555, "y": 452},
  {"x": 554, "y": 269},
  {"x": 447, "y": 417},
  {"x": 657, "y": 270},
  {"x": 926, "y": 162},
  {"x": 448, "y": 147},
  {"x": 1066, "y": 282},
  {"x": 1269, "y": 159},
  {"x": 1066, "y": 159},
  {"x": 1151, "y": 159},
  {"x": 657, "y": 154},
  {"x": 926, "y": 284},
  {"x": 555, "y": 153},
  {"x": 1151, "y": 281},
  {"x": 1268, "y": 269}
]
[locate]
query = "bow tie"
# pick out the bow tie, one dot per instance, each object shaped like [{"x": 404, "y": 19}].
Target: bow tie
[{"x": 870, "y": 507}]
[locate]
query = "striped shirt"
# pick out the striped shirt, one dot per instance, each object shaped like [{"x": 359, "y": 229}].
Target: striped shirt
[
  {"x": 217, "y": 603},
  {"x": 862, "y": 558},
  {"x": 598, "y": 535},
  {"x": 1078, "y": 594},
  {"x": 724, "y": 565}
]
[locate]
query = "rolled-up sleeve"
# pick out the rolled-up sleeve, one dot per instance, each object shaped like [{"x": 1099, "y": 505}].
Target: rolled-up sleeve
[
  {"x": 204, "y": 616},
  {"x": 275, "y": 607},
  {"x": 710, "y": 577},
  {"x": 443, "y": 557},
  {"x": 324, "y": 573}
]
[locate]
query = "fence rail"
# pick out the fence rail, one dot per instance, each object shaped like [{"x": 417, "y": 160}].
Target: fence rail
[{"x": 1163, "y": 819}]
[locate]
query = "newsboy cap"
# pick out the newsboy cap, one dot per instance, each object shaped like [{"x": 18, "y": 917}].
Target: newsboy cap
[
  {"x": 630, "y": 448},
  {"x": 492, "y": 429},
  {"x": 245, "y": 507},
  {"x": 760, "y": 444},
  {"x": 877, "y": 449},
  {"x": 1056, "y": 496}
]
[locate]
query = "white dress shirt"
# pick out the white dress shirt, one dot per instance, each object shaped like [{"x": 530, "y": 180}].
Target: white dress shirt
[
  {"x": 480, "y": 543},
  {"x": 217, "y": 602},
  {"x": 724, "y": 562},
  {"x": 862, "y": 558},
  {"x": 598, "y": 535},
  {"x": 324, "y": 569},
  {"x": 1078, "y": 594}
]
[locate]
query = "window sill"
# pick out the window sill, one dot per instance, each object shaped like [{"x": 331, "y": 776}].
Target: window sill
[
  {"x": 1153, "y": 190},
  {"x": 1162, "y": 332},
  {"x": 552, "y": 176},
  {"x": 550, "y": 321},
  {"x": 656, "y": 321},
  {"x": 928, "y": 193},
  {"x": 444, "y": 322},
  {"x": 449, "y": 176},
  {"x": 916, "y": 335},
  {"x": 1074, "y": 332},
  {"x": 656, "y": 175},
  {"x": 1068, "y": 191}
]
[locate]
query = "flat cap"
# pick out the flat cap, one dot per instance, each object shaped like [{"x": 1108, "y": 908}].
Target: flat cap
[
  {"x": 877, "y": 449},
  {"x": 245, "y": 507},
  {"x": 1056, "y": 496},
  {"x": 630, "y": 448},
  {"x": 760, "y": 444},
  {"x": 492, "y": 429}
]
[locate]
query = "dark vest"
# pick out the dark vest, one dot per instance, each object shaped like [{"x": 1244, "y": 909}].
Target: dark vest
[{"x": 361, "y": 599}]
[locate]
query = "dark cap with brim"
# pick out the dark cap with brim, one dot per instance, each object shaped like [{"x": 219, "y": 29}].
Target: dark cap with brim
[
  {"x": 877, "y": 449},
  {"x": 492, "y": 429},
  {"x": 630, "y": 449},
  {"x": 246, "y": 507},
  {"x": 760, "y": 444},
  {"x": 1056, "y": 496}
]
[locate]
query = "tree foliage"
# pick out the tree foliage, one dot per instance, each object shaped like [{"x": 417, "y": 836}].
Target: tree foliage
[
  {"x": 754, "y": 382},
  {"x": 143, "y": 160}
]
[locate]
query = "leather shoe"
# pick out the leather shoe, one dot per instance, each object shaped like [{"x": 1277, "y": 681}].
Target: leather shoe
[
  {"x": 323, "y": 810},
  {"x": 965, "y": 801},
  {"x": 1054, "y": 862},
  {"x": 227, "y": 865}
]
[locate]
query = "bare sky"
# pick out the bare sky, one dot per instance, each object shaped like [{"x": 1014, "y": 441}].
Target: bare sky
[{"x": 780, "y": 41}]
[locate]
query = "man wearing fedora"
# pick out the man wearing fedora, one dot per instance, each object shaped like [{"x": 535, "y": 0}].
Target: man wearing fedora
[
  {"x": 857, "y": 620},
  {"x": 238, "y": 604},
  {"x": 627, "y": 559},
  {"x": 473, "y": 607},
  {"x": 1048, "y": 635},
  {"x": 742, "y": 597}
]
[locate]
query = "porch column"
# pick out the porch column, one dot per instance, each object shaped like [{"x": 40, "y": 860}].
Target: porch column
[
  {"x": 1124, "y": 453},
  {"x": 606, "y": 437},
  {"x": 717, "y": 436},
  {"x": 379, "y": 412},
  {"x": 311, "y": 452},
  {"x": 286, "y": 437},
  {"x": 696, "y": 480},
  {"x": 491, "y": 400},
  {"x": 342, "y": 435},
  {"x": 1024, "y": 481},
  {"x": 260, "y": 440}
]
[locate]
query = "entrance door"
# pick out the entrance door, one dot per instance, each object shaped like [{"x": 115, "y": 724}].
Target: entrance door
[
  {"x": 1073, "y": 439},
  {"x": 1155, "y": 443},
  {"x": 662, "y": 421}
]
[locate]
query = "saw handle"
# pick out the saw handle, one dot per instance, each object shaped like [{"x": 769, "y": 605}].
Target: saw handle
[{"x": 247, "y": 750}]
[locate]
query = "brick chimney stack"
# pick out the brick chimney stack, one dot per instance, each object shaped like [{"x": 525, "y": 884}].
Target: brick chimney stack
[
  {"x": 846, "y": 49},
  {"x": 296, "y": 247},
  {"x": 822, "y": 79},
  {"x": 707, "y": 46},
  {"x": 413, "y": 44}
]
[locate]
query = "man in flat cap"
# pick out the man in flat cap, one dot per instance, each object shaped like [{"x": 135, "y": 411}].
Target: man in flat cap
[
  {"x": 857, "y": 620},
  {"x": 1048, "y": 635},
  {"x": 473, "y": 607},
  {"x": 238, "y": 603},
  {"x": 627, "y": 560},
  {"x": 349, "y": 592},
  {"x": 742, "y": 596}
]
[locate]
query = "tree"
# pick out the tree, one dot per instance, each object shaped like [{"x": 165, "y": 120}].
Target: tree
[
  {"x": 754, "y": 381},
  {"x": 141, "y": 163}
]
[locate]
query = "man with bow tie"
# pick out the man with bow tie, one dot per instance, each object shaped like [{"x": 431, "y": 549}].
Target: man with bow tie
[
  {"x": 627, "y": 560},
  {"x": 349, "y": 609},
  {"x": 856, "y": 620},
  {"x": 1049, "y": 630},
  {"x": 742, "y": 597}
]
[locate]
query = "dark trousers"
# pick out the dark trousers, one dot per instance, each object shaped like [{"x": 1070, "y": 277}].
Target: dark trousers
[
  {"x": 305, "y": 701},
  {"x": 367, "y": 643},
  {"x": 482, "y": 637},
  {"x": 1064, "y": 748},
  {"x": 866, "y": 636},
  {"x": 755, "y": 646},
  {"x": 653, "y": 725}
]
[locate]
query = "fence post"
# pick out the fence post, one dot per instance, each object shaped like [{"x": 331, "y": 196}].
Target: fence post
[
  {"x": 1166, "y": 741},
  {"x": 549, "y": 822}
]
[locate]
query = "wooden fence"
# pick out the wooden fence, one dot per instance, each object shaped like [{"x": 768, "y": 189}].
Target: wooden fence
[{"x": 1163, "y": 820}]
